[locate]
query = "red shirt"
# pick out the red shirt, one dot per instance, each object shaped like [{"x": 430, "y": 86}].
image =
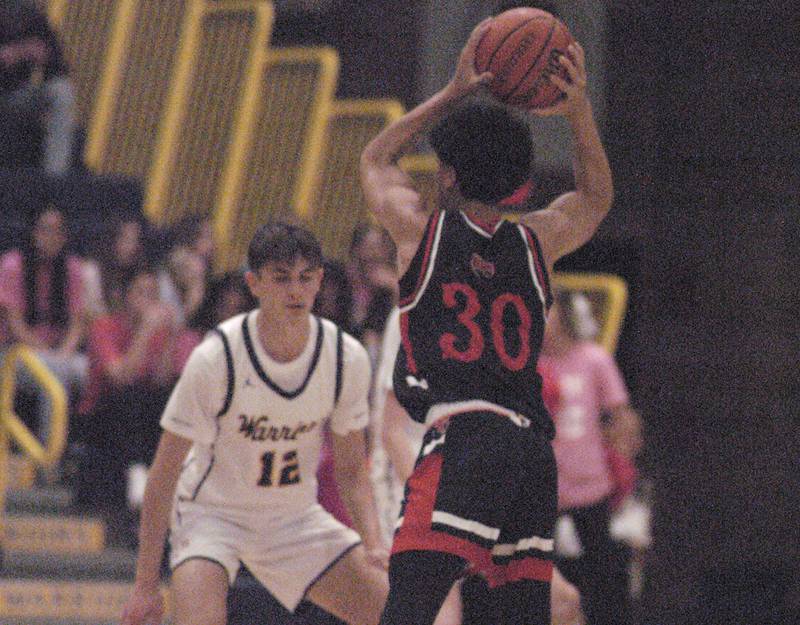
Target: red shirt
[{"x": 110, "y": 338}]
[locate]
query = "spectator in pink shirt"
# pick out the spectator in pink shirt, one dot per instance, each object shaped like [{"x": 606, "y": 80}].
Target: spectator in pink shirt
[
  {"x": 135, "y": 356},
  {"x": 585, "y": 388},
  {"x": 42, "y": 306}
]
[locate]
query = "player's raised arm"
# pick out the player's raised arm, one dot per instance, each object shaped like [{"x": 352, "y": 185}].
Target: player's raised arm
[
  {"x": 571, "y": 219},
  {"x": 389, "y": 192}
]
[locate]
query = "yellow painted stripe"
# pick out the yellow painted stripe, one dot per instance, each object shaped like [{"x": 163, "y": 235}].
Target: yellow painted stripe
[
  {"x": 46, "y": 534},
  {"x": 274, "y": 169},
  {"x": 77, "y": 601},
  {"x": 340, "y": 205}
]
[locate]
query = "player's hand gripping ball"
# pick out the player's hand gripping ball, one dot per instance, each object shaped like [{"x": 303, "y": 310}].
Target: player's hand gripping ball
[{"x": 522, "y": 48}]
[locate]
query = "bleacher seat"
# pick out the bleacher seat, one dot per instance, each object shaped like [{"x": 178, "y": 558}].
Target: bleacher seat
[{"x": 339, "y": 205}]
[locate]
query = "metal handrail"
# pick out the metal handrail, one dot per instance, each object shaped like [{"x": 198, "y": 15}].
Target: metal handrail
[{"x": 45, "y": 454}]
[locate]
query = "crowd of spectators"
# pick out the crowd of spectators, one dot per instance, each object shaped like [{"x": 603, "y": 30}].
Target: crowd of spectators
[{"x": 116, "y": 326}]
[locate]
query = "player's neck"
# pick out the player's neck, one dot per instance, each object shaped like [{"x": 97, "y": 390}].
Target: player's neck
[
  {"x": 481, "y": 213},
  {"x": 283, "y": 339}
]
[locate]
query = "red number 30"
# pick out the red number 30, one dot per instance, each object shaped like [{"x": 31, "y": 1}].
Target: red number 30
[{"x": 466, "y": 318}]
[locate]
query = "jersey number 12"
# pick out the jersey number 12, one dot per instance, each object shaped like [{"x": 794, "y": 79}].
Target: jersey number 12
[{"x": 286, "y": 474}]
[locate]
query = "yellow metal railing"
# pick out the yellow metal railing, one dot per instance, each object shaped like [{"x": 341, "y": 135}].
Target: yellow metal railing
[
  {"x": 13, "y": 429},
  {"x": 273, "y": 167},
  {"x": 608, "y": 296},
  {"x": 133, "y": 90},
  {"x": 221, "y": 51},
  {"x": 340, "y": 204},
  {"x": 86, "y": 28}
]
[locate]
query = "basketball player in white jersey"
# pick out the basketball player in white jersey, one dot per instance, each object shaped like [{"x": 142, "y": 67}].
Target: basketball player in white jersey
[{"x": 236, "y": 465}]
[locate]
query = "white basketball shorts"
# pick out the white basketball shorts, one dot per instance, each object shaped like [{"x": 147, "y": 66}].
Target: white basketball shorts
[{"x": 286, "y": 555}]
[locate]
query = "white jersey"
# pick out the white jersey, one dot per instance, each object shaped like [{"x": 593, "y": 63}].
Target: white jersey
[{"x": 257, "y": 431}]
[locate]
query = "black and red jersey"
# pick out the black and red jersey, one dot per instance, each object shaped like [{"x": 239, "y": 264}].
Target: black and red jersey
[{"x": 473, "y": 304}]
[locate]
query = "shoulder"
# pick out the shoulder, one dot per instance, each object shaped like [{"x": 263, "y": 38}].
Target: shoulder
[
  {"x": 231, "y": 327},
  {"x": 352, "y": 349},
  {"x": 210, "y": 351}
]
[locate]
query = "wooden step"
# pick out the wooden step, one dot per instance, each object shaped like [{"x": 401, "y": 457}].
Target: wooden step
[
  {"x": 21, "y": 472},
  {"x": 49, "y": 499},
  {"x": 33, "y": 533},
  {"x": 117, "y": 565},
  {"x": 32, "y": 600}
]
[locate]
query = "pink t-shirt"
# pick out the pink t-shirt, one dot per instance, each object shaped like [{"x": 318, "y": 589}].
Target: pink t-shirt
[
  {"x": 110, "y": 337},
  {"x": 12, "y": 294},
  {"x": 588, "y": 383}
]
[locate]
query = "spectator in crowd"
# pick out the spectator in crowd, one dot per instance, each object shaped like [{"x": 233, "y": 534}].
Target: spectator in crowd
[
  {"x": 110, "y": 272},
  {"x": 136, "y": 354},
  {"x": 41, "y": 299},
  {"x": 582, "y": 384},
  {"x": 226, "y": 297},
  {"x": 371, "y": 269},
  {"x": 37, "y": 99},
  {"x": 335, "y": 298},
  {"x": 188, "y": 266}
]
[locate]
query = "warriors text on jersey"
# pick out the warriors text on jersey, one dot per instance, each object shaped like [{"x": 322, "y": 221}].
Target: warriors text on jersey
[
  {"x": 473, "y": 304},
  {"x": 257, "y": 425}
]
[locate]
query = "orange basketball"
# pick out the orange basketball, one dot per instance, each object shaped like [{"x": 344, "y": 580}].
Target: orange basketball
[{"x": 522, "y": 48}]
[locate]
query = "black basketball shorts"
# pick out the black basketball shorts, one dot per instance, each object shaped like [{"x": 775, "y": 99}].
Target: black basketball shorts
[{"x": 483, "y": 488}]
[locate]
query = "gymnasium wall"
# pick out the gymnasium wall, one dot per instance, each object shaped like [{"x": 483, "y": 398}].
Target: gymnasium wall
[{"x": 702, "y": 128}]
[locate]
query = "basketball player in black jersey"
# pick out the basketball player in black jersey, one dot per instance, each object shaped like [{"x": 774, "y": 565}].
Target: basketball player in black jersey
[{"x": 474, "y": 295}]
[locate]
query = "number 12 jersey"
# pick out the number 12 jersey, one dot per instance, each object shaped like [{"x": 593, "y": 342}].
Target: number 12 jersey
[{"x": 473, "y": 304}]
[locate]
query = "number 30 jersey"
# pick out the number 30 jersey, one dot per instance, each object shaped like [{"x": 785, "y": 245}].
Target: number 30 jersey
[{"x": 473, "y": 304}]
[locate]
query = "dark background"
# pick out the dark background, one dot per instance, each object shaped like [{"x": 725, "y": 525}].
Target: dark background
[{"x": 703, "y": 131}]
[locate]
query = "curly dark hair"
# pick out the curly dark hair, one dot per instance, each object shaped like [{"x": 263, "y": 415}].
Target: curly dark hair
[{"x": 488, "y": 146}]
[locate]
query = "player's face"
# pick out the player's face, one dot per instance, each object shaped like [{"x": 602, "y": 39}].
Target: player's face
[{"x": 286, "y": 290}]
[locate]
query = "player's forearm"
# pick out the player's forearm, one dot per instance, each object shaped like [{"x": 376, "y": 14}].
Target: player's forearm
[
  {"x": 590, "y": 163},
  {"x": 388, "y": 146},
  {"x": 356, "y": 493},
  {"x": 153, "y": 526}
]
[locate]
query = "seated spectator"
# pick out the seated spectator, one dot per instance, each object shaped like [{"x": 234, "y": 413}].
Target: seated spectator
[
  {"x": 41, "y": 298},
  {"x": 581, "y": 383},
  {"x": 335, "y": 298},
  {"x": 135, "y": 356},
  {"x": 371, "y": 270},
  {"x": 188, "y": 266},
  {"x": 110, "y": 272},
  {"x": 37, "y": 99},
  {"x": 227, "y": 296}
]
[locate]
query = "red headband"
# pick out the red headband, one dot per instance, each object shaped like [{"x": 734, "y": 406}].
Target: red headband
[{"x": 519, "y": 196}]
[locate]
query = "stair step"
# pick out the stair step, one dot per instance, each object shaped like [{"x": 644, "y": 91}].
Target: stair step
[
  {"x": 54, "y": 534},
  {"x": 51, "y": 499},
  {"x": 40, "y": 602},
  {"x": 111, "y": 564},
  {"x": 21, "y": 472}
]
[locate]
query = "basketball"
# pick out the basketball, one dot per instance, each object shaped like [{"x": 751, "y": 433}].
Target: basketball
[{"x": 521, "y": 48}]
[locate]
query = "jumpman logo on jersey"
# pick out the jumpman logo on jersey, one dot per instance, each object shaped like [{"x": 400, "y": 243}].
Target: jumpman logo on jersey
[{"x": 412, "y": 382}]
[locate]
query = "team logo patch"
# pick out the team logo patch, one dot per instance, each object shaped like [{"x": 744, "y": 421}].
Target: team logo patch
[{"x": 481, "y": 267}]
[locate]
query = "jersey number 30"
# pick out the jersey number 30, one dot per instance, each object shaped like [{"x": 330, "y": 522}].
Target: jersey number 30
[
  {"x": 285, "y": 474},
  {"x": 475, "y": 345}
]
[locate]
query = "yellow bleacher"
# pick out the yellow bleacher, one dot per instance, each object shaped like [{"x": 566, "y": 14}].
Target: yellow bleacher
[
  {"x": 132, "y": 93},
  {"x": 273, "y": 167},
  {"x": 221, "y": 48},
  {"x": 339, "y": 205},
  {"x": 86, "y": 28}
]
